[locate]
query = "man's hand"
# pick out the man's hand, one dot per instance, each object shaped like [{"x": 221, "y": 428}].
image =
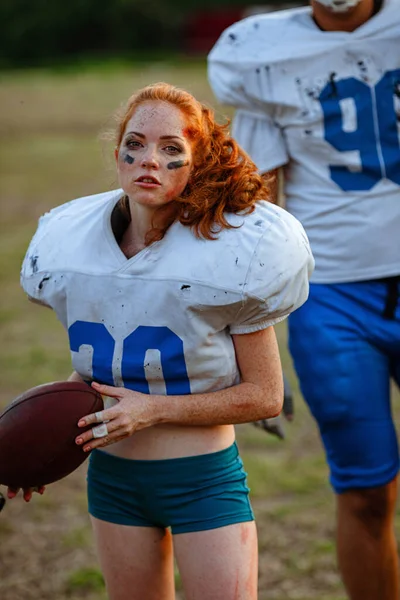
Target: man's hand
[{"x": 275, "y": 425}]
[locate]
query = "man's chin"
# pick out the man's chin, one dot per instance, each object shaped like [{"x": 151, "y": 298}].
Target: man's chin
[{"x": 338, "y": 7}]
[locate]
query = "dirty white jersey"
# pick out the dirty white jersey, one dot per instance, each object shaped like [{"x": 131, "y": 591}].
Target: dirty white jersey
[
  {"x": 161, "y": 321},
  {"x": 327, "y": 104}
]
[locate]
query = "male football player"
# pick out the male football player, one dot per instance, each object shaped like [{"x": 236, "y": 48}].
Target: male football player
[{"x": 318, "y": 91}]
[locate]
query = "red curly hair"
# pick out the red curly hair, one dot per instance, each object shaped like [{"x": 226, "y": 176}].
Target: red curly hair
[{"x": 223, "y": 180}]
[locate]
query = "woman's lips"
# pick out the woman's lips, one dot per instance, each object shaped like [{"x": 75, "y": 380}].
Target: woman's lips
[{"x": 147, "y": 181}]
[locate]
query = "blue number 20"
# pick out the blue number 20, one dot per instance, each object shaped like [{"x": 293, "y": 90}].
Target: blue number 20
[
  {"x": 376, "y": 137},
  {"x": 134, "y": 351}
]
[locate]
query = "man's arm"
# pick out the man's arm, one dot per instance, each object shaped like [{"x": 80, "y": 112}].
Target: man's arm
[{"x": 272, "y": 179}]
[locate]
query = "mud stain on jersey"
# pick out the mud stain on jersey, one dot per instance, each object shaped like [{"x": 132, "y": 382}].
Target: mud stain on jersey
[
  {"x": 33, "y": 260},
  {"x": 333, "y": 83},
  {"x": 40, "y": 286}
]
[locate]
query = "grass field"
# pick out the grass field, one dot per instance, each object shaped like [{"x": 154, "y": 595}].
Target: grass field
[{"x": 50, "y": 152}]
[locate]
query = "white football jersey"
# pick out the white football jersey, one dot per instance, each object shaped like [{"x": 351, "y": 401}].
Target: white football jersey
[
  {"x": 328, "y": 104},
  {"x": 161, "y": 321}
]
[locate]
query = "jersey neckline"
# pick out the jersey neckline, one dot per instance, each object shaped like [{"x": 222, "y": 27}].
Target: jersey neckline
[{"x": 112, "y": 241}]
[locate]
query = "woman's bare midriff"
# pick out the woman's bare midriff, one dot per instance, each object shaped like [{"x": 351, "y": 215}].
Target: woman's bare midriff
[{"x": 171, "y": 441}]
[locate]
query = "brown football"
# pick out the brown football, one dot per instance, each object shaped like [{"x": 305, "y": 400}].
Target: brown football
[{"x": 38, "y": 431}]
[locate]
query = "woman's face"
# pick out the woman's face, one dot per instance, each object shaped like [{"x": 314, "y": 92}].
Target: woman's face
[{"x": 154, "y": 159}]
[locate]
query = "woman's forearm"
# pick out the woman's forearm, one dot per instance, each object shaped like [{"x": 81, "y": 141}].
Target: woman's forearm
[{"x": 241, "y": 403}]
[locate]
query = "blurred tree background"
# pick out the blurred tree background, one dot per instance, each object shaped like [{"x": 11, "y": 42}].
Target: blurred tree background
[{"x": 43, "y": 32}]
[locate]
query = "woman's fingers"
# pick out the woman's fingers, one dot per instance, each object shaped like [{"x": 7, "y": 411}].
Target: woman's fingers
[
  {"x": 108, "y": 390},
  {"x": 104, "y": 441},
  {"x": 102, "y": 434},
  {"x": 27, "y": 492},
  {"x": 102, "y": 416}
]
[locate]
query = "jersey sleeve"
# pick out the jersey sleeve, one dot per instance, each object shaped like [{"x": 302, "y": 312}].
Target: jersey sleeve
[
  {"x": 235, "y": 84},
  {"x": 227, "y": 68},
  {"x": 277, "y": 282},
  {"x": 261, "y": 138},
  {"x": 54, "y": 248},
  {"x": 32, "y": 277}
]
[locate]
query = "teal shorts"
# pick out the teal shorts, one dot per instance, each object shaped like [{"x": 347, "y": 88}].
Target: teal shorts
[{"x": 193, "y": 493}]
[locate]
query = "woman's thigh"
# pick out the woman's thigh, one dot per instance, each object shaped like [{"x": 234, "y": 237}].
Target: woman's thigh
[
  {"x": 219, "y": 564},
  {"x": 137, "y": 562}
]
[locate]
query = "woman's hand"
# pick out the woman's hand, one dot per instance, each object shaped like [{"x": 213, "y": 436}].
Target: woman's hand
[
  {"x": 133, "y": 412},
  {"x": 27, "y": 492}
]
